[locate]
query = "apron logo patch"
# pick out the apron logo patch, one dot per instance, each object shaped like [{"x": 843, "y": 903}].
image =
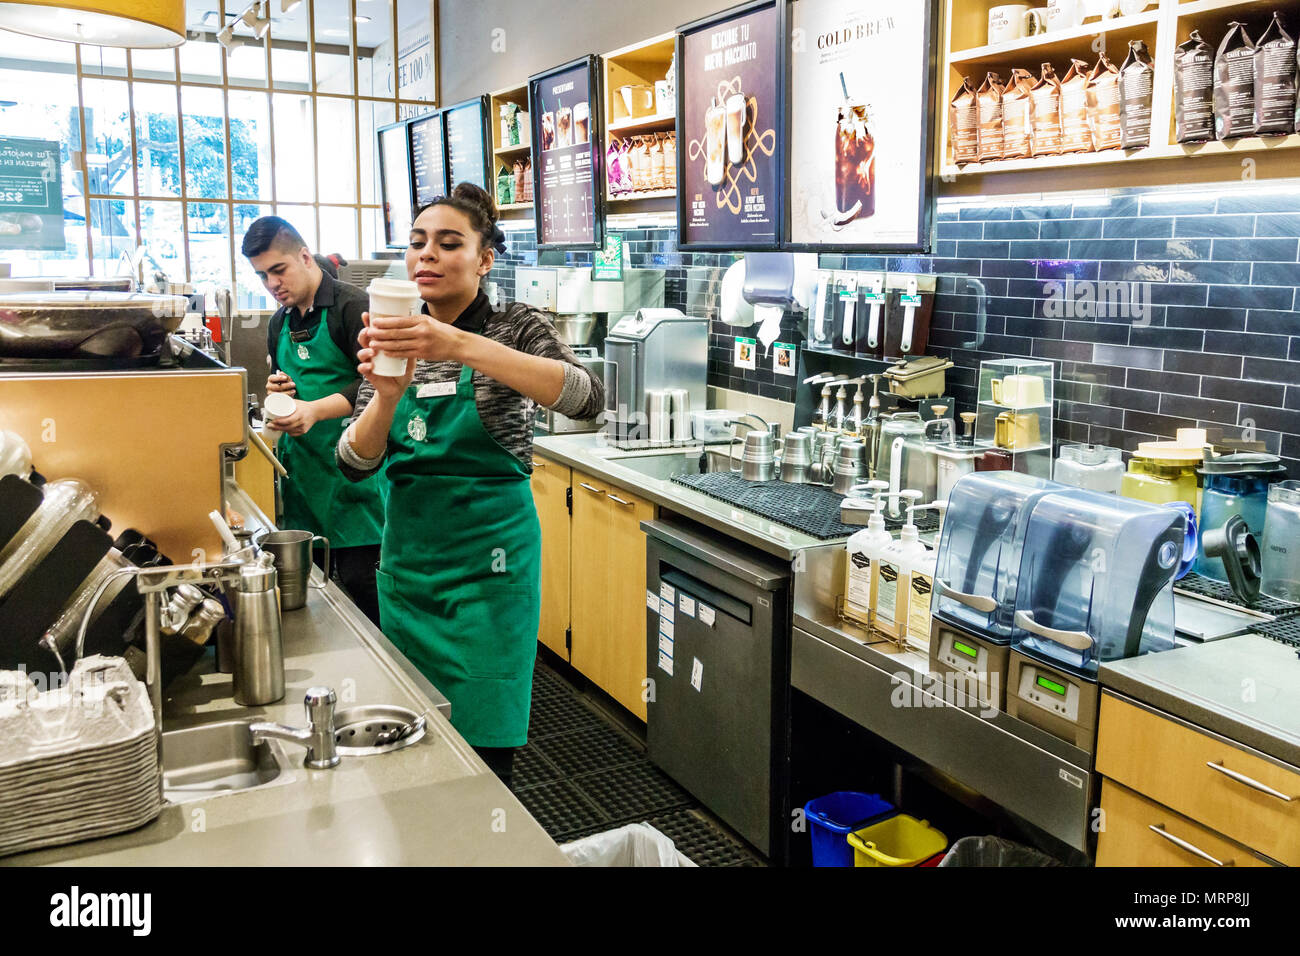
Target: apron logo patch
[
  {"x": 302, "y": 352},
  {"x": 416, "y": 428}
]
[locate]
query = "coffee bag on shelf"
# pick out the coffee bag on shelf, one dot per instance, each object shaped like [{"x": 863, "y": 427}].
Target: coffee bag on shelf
[
  {"x": 963, "y": 125},
  {"x": 1016, "y": 129},
  {"x": 1045, "y": 113},
  {"x": 1194, "y": 91},
  {"x": 1103, "y": 104},
  {"x": 990, "y": 118},
  {"x": 1076, "y": 137},
  {"x": 1234, "y": 84},
  {"x": 613, "y": 167},
  {"x": 670, "y": 160},
  {"x": 1275, "y": 81},
  {"x": 1136, "y": 84}
]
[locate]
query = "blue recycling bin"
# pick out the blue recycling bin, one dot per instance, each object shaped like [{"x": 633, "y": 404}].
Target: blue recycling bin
[{"x": 834, "y": 816}]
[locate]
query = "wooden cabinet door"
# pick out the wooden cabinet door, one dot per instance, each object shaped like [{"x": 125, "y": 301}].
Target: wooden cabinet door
[
  {"x": 589, "y": 597},
  {"x": 550, "y": 493},
  {"x": 627, "y": 600}
]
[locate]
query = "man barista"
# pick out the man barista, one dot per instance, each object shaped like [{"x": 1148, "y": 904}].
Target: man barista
[{"x": 312, "y": 352}]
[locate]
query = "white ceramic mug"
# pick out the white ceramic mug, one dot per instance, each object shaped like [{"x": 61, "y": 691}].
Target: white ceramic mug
[
  {"x": 1035, "y": 21},
  {"x": 1064, "y": 14},
  {"x": 1007, "y": 22}
]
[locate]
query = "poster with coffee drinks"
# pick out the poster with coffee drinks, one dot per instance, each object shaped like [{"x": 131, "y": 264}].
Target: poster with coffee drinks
[
  {"x": 860, "y": 123},
  {"x": 729, "y": 151},
  {"x": 567, "y": 203}
]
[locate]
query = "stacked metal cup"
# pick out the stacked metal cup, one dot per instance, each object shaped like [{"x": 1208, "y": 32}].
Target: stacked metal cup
[{"x": 796, "y": 458}]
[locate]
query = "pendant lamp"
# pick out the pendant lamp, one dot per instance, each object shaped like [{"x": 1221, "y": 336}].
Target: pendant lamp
[{"x": 138, "y": 24}]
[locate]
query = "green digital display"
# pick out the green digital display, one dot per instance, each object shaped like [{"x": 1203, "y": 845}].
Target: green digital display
[
  {"x": 965, "y": 649},
  {"x": 1052, "y": 685}
]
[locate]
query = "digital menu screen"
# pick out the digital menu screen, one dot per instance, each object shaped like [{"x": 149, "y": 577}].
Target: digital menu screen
[
  {"x": 395, "y": 183},
  {"x": 859, "y": 144},
  {"x": 567, "y": 205},
  {"x": 428, "y": 167},
  {"x": 466, "y": 145},
  {"x": 729, "y": 89}
]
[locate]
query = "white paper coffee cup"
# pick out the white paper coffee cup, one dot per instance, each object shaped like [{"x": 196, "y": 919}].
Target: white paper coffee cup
[
  {"x": 392, "y": 298},
  {"x": 278, "y": 405}
]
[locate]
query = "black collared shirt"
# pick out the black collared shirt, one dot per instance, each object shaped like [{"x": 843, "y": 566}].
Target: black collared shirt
[{"x": 343, "y": 305}]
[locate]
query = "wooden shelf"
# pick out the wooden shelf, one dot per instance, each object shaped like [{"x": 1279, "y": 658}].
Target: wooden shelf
[
  {"x": 512, "y": 206},
  {"x": 1192, "y": 7},
  {"x": 1061, "y": 43},
  {"x": 651, "y": 194},
  {"x": 643, "y": 123},
  {"x": 521, "y": 148},
  {"x": 1248, "y": 144}
]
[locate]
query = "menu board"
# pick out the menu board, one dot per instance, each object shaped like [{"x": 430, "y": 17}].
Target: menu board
[
  {"x": 428, "y": 167},
  {"x": 730, "y": 108},
  {"x": 860, "y": 137},
  {"x": 466, "y": 145},
  {"x": 563, "y": 111},
  {"x": 395, "y": 183}
]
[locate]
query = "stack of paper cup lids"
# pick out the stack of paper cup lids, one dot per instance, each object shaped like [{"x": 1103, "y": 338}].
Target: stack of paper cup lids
[{"x": 78, "y": 761}]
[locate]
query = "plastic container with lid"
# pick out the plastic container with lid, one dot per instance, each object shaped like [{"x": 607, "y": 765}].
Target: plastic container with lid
[
  {"x": 1095, "y": 467},
  {"x": 1234, "y": 485},
  {"x": 978, "y": 560},
  {"x": 1165, "y": 471},
  {"x": 1280, "y": 577},
  {"x": 1096, "y": 579}
]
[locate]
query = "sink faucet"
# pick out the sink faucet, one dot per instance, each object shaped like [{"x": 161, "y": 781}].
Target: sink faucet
[{"x": 317, "y": 736}]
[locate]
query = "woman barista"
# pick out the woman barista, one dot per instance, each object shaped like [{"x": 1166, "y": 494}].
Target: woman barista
[{"x": 460, "y": 575}]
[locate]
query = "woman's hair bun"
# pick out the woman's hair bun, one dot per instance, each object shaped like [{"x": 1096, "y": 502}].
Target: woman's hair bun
[{"x": 476, "y": 196}]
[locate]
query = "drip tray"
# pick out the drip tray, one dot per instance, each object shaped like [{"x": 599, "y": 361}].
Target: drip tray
[
  {"x": 1202, "y": 586},
  {"x": 376, "y": 729},
  {"x": 811, "y": 509}
]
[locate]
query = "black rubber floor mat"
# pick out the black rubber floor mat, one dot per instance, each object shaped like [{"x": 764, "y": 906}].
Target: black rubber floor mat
[
  {"x": 588, "y": 750},
  {"x": 702, "y": 842},
  {"x": 559, "y": 714},
  {"x": 531, "y": 769},
  {"x": 1284, "y": 631},
  {"x": 812, "y": 509},
  {"x": 632, "y": 792},
  {"x": 1195, "y": 583},
  {"x": 561, "y": 809},
  {"x": 549, "y": 685}
]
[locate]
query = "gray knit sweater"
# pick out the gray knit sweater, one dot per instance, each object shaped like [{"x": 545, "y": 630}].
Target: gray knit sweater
[{"x": 506, "y": 414}]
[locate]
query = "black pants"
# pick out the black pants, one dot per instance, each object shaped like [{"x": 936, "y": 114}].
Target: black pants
[
  {"x": 354, "y": 570},
  {"x": 500, "y": 760}
]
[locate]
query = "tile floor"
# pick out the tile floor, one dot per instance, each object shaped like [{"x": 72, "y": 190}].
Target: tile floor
[{"x": 583, "y": 773}]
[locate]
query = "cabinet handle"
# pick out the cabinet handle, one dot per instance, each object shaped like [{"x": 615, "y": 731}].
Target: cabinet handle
[
  {"x": 619, "y": 500},
  {"x": 598, "y": 491},
  {"x": 1159, "y": 828},
  {"x": 538, "y": 464},
  {"x": 1242, "y": 778}
]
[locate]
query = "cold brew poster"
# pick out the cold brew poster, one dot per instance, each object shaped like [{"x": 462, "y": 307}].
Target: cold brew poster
[
  {"x": 858, "y": 122},
  {"x": 565, "y": 178},
  {"x": 729, "y": 132}
]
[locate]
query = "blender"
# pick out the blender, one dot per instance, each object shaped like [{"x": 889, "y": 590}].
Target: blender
[{"x": 1234, "y": 485}]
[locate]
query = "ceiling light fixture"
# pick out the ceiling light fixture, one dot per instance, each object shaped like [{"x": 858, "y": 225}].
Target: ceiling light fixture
[{"x": 135, "y": 24}]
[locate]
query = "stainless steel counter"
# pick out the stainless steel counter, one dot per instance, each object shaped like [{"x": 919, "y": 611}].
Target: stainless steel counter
[
  {"x": 1244, "y": 688},
  {"x": 649, "y": 474},
  {"x": 432, "y": 803}
]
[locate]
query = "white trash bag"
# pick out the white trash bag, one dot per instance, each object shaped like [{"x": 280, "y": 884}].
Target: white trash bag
[{"x": 637, "y": 844}]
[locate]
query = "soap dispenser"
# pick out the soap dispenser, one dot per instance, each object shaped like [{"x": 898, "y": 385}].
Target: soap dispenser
[
  {"x": 864, "y": 549},
  {"x": 893, "y": 576}
]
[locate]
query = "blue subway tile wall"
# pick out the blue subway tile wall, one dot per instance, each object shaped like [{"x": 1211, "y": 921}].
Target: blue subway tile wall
[{"x": 1208, "y": 336}]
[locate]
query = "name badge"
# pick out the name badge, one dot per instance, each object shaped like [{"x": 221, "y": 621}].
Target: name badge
[{"x": 436, "y": 389}]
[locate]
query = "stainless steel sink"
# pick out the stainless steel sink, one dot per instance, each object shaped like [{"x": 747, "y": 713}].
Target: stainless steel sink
[
  {"x": 666, "y": 466},
  {"x": 203, "y": 762}
]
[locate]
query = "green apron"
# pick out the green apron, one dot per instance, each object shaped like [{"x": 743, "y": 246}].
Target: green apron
[
  {"x": 460, "y": 572},
  {"x": 316, "y": 496}
]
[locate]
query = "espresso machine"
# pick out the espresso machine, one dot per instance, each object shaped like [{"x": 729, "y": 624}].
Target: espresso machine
[{"x": 655, "y": 372}]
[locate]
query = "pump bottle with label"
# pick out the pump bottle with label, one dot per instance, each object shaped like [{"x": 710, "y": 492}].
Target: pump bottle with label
[
  {"x": 893, "y": 578},
  {"x": 864, "y": 550}
]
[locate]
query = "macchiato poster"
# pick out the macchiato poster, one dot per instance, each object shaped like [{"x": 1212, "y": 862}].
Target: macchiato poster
[
  {"x": 859, "y": 123},
  {"x": 562, "y": 112},
  {"x": 730, "y": 117}
]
